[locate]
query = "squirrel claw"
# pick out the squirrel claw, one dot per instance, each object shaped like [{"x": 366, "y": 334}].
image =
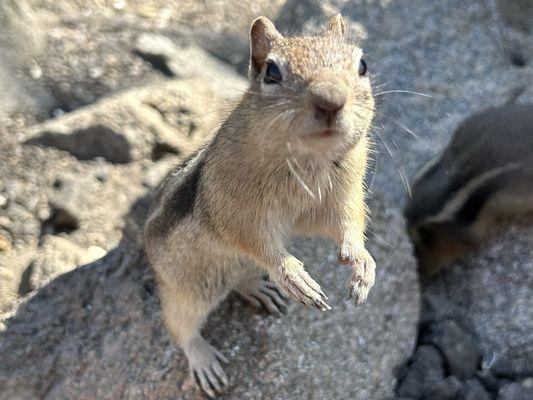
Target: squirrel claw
[{"x": 364, "y": 273}]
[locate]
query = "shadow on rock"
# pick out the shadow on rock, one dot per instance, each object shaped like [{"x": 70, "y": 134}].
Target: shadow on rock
[{"x": 96, "y": 332}]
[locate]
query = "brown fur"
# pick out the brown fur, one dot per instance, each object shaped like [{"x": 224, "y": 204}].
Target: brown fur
[
  {"x": 482, "y": 178},
  {"x": 285, "y": 161}
]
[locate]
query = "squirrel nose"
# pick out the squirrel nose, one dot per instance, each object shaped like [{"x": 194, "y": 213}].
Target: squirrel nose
[{"x": 328, "y": 100}]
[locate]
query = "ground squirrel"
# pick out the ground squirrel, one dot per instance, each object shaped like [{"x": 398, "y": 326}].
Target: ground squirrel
[
  {"x": 485, "y": 174},
  {"x": 290, "y": 158}
]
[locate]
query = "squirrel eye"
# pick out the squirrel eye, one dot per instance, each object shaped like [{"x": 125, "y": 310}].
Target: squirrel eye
[
  {"x": 362, "y": 68},
  {"x": 272, "y": 74}
]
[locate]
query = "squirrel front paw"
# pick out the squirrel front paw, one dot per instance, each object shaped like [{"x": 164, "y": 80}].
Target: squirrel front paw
[
  {"x": 363, "y": 272},
  {"x": 299, "y": 285}
]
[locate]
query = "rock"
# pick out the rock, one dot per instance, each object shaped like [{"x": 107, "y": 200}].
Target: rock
[
  {"x": 62, "y": 219},
  {"x": 425, "y": 371},
  {"x": 489, "y": 380},
  {"x": 187, "y": 61},
  {"x": 57, "y": 256},
  {"x": 103, "y": 336},
  {"x": 147, "y": 122},
  {"x": 94, "y": 140},
  {"x": 94, "y": 253},
  {"x": 224, "y": 34},
  {"x": 489, "y": 292},
  {"x": 12, "y": 267},
  {"x": 447, "y": 389},
  {"x": 21, "y": 38},
  {"x": 458, "y": 346},
  {"x": 5, "y": 242},
  {"x": 68, "y": 202},
  {"x": 517, "y": 391},
  {"x": 473, "y": 390},
  {"x": 518, "y": 14},
  {"x": 516, "y": 26}
]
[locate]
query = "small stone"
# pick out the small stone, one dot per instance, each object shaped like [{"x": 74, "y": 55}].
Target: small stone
[
  {"x": 3, "y": 201},
  {"x": 443, "y": 390},
  {"x": 57, "y": 112},
  {"x": 96, "y": 72},
  {"x": 94, "y": 253},
  {"x": 426, "y": 370},
  {"x": 5, "y": 243},
  {"x": 459, "y": 347},
  {"x": 57, "y": 256},
  {"x": 119, "y": 4},
  {"x": 5, "y": 221},
  {"x": 473, "y": 390},
  {"x": 489, "y": 380},
  {"x": 517, "y": 391},
  {"x": 36, "y": 71}
]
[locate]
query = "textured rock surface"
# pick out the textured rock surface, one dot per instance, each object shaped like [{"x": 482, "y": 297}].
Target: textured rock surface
[
  {"x": 97, "y": 330},
  {"x": 425, "y": 371},
  {"x": 57, "y": 256},
  {"x": 139, "y": 123},
  {"x": 458, "y": 347},
  {"x": 517, "y": 390},
  {"x": 490, "y": 292},
  {"x": 21, "y": 38}
]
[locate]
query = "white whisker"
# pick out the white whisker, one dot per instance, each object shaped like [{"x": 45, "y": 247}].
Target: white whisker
[
  {"x": 300, "y": 180},
  {"x": 399, "y": 124},
  {"x": 403, "y": 91}
]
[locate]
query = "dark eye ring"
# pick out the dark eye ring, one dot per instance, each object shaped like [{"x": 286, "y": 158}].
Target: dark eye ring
[
  {"x": 272, "y": 73},
  {"x": 362, "y": 67}
]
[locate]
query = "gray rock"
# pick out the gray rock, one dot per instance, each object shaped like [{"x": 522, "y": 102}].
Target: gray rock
[
  {"x": 146, "y": 122},
  {"x": 489, "y": 380},
  {"x": 56, "y": 256},
  {"x": 21, "y": 39},
  {"x": 490, "y": 293},
  {"x": 96, "y": 331},
  {"x": 188, "y": 61},
  {"x": 447, "y": 389},
  {"x": 425, "y": 371},
  {"x": 473, "y": 390},
  {"x": 517, "y": 391},
  {"x": 458, "y": 346},
  {"x": 68, "y": 202},
  {"x": 518, "y": 13},
  {"x": 12, "y": 267}
]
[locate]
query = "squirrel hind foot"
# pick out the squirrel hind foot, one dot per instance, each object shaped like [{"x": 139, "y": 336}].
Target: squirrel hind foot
[
  {"x": 205, "y": 367},
  {"x": 262, "y": 293}
]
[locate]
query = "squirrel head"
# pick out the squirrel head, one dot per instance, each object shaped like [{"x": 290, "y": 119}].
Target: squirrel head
[{"x": 312, "y": 92}]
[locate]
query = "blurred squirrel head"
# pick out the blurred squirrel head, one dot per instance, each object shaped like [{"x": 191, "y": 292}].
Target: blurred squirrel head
[{"x": 312, "y": 93}]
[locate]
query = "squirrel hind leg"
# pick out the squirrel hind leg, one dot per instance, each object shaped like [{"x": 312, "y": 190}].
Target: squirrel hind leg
[
  {"x": 263, "y": 293},
  {"x": 184, "y": 318}
]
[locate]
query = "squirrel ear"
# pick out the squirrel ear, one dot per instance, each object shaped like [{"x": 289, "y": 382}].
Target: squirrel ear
[
  {"x": 262, "y": 35},
  {"x": 336, "y": 25}
]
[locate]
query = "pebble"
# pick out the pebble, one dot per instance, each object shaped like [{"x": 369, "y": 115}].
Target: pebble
[
  {"x": 5, "y": 243},
  {"x": 36, "y": 71}
]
